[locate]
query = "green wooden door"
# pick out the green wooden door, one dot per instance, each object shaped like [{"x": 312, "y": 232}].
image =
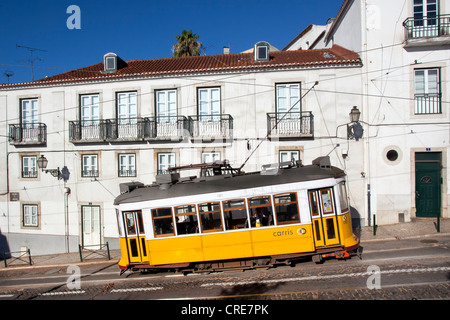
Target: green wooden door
[{"x": 428, "y": 184}]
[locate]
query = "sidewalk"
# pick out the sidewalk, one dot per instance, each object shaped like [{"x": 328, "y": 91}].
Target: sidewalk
[{"x": 418, "y": 228}]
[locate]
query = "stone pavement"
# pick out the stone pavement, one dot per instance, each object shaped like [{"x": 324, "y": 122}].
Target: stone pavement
[{"x": 418, "y": 228}]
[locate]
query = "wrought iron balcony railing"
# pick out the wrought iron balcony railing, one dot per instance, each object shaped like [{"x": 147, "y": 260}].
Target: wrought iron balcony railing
[
  {"x": 292, "y": 125},
  {"x": 427, "y": 103},
  {"x": 173, "y": 128},
  {"x": 211, "y": 127},
  {"x": 435, "y": 26},
  {"x": 128, "y": 129},
  {"x": 28, "y": 134}
]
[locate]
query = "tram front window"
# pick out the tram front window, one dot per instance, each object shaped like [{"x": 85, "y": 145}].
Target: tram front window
[{"x": 286, "y": 208}]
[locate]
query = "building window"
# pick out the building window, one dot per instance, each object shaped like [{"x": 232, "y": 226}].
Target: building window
[
  {"x": 425, "y": 18},
  {"x": 288, "y": 99},
  {"x": 427, "y": 91},
  {"x": 29, "y": 166},
  {"x": 166, "y": 106},
  {"x": 127, "y": 107},
  {"x": 89, "y": 163},
  {"x": 30, "y": 214},
  {"x": 29, "y": 113},
  {"x": 261, "y": 51},
  {"x": 166, "y": 160},
  {"x": 89, "y": 109},
  {"x": 127, "y": 165},
  {"x": 209, "y": 104},
  {"x": 288, "y": 155}
]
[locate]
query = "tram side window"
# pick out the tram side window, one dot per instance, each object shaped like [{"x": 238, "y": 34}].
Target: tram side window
[
  {"x": 286, "y": 208},
  {"x": 343, "y": 199},
  {"x": 261, "y": 214},
  {"x": 186, "y": 219},
  {"x": 235, "y": 214},
  {"x": 163, "y": 222},
  {"x": 210, "y": 217}
]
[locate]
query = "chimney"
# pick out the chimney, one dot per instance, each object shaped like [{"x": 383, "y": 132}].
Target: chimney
[{"x": 226, "y": 50}]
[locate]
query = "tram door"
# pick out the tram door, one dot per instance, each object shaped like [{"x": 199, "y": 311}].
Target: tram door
[
  {"x": 137, "y": 251},
  {"x": 324, "y": 218}
]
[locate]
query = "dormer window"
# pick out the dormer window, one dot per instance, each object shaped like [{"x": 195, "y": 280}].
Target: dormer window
[
  {"x": 261, "y": 51},
  {"x": 110, "y": 62}
]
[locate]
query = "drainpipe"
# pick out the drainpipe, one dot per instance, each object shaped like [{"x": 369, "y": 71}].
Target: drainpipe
[{"x": 66, "y": 216}]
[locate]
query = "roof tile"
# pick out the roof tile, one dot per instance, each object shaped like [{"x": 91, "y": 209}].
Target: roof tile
[{"x": 201, "y": 64}]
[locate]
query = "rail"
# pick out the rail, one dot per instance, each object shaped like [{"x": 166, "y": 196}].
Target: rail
[
  {"x": 97, "y": 250},
  {"x": 32, "y": 134},
  {"x": 290, "y": 125},
  {"x": 24, "y": 256},
  {"x": 425, "y": 27}
]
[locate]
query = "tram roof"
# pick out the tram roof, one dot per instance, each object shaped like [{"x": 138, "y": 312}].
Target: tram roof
[{"x": 139, "y": 192}]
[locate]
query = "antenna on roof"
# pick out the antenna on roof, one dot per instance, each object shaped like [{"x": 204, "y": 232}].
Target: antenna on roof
[
  {"x": 276, "y": 124},
  {"x": 31, "y": 60},
  {"x": 8, "y": 74}
]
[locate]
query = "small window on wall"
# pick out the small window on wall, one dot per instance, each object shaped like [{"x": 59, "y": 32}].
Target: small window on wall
[
  {"x": 286, "y": 208},
  {"x": 30, "y": 215},
  {"x": 29, "y": 166},
  {"x": 163, "y": 222}
]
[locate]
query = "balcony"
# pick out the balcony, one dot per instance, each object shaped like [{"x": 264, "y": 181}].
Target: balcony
[
  {"x": 129, "y": 130},
  {"x": 427, "y": 104},
  {"x": 211, "y": 127},
  {"x": 168, "y": 128},
  {"x": 294, "y": 125},
  {"x": 28, "y": 134},
  {"x": 427, "y": 31}
]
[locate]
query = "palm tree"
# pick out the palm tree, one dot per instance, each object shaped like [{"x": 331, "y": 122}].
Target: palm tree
[{"x": 187, "y": 45}]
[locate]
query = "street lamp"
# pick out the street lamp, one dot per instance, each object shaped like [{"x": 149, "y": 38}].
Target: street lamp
[
  {"x": 354, "y": 115},
  {"x": 355, "y": 129},
  {"x": 62, "y": 174}
]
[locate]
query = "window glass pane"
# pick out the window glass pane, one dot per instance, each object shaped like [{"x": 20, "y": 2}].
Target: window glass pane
[
  {"x": 186, "y": 219},
  {"x": 162, "y": 212},
  {"x": 140, "y": 222},
  {"x": 261, "y": 214},
  {"x": 286, "y": 208},
  {"x": 313, "y": 201},
  {"x": 163, "y": 221},
  {"x": 419, "y": 82},
  {"x": 433, "y": 81},
  {"x": 129, "y": 219},
  {"x": 343, "y": 200},
  {"x": 210, "y": 216},
  {"x": 327, "y": 201},
  {"x": 235, "y": 214}
]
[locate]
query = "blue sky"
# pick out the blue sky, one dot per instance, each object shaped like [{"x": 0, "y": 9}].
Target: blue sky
[{"x": 139, "y": 29}]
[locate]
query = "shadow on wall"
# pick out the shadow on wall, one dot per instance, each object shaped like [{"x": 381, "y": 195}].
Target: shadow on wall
[
  {"x": 4, "y": 247},
  {"x": 356, "y": 220}
]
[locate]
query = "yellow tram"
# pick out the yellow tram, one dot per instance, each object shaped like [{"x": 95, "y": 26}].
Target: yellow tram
[{"x": 236, "y": 219}]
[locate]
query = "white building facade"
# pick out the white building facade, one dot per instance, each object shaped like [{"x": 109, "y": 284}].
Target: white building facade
[
  {"x": 99, "y": 127},
  {"x": 405, "y": 48},
  {"x": 121, "y": 121}
]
